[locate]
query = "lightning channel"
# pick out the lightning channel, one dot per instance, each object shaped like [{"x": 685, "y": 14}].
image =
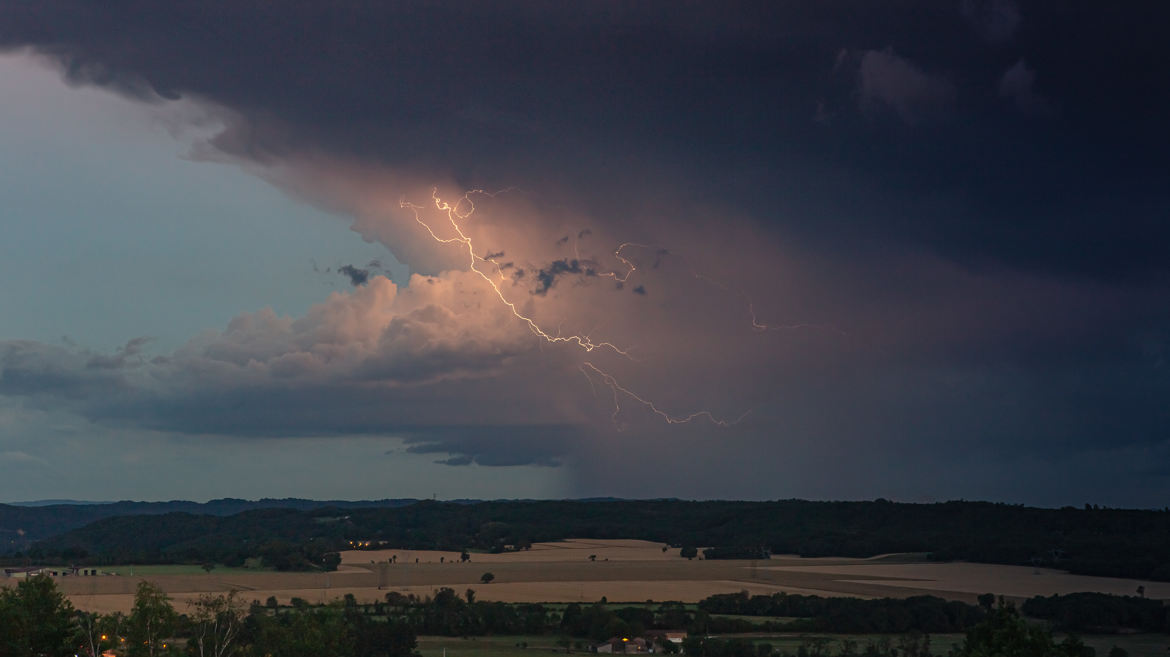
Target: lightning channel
[
  {"x": 619, "y": 390},
  {"x": 454, "y": 216}
]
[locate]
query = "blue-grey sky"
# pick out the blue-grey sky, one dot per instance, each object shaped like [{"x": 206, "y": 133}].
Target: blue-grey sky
[
  {"x": 111, "y": 231},
  {"x": 751, "y": 250}
]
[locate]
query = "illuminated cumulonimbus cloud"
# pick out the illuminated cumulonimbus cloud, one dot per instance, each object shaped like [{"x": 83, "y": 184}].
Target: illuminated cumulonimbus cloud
[
  {"x": 563, "y": 279},
  {"x": 805, "y": 240}
]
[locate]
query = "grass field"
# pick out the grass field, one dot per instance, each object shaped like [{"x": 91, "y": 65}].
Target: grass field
[
  {"x": 487, "y": 646},
  {"x": 1138, "y": 645}
]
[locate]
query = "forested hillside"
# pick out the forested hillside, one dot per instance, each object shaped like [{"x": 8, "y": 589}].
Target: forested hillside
[
  {"x": 24, "y": 524},
  {"x": 1115, "y": 542}
]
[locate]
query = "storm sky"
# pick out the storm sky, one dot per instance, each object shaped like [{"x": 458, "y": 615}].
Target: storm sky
[{"x": 831, "y": 250}]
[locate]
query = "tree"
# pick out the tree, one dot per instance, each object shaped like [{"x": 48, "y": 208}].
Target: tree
[
  {"x": 96, "y": 632},
  {"x": 487, "y": 578},
  {"x": 593, "y": 557},
  {"x": 464, "y": 557},
  {"x": 470, "y": 595},
  {"x": 152, "y": 620},
  {"x": 35, "y": 619},
  {"x": 688, "y": 552},
  {"x": 208, "y": 567},
  {"x": 987, "y": 601},
  {"x": 216, "y": 622},
  {"x": 1006, "y": 632}
]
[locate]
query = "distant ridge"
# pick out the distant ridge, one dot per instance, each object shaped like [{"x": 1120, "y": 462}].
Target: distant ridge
[
  {"x": 24, "y": 523},
  {"x": 58, "y": 502}
]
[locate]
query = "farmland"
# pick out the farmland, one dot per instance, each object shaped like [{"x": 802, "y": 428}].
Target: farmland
[{"x": 621, "y": 570}]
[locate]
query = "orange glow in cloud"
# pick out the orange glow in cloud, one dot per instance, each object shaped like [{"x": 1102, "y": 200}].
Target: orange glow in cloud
[{"x": 461, "y": 211}]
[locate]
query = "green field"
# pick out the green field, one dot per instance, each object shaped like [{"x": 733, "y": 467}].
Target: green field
[
  {"x": 487, "y": 646},
  {"x": 176, "y": 569},
  {"x": 757, "y": 620},
  {"x": 1138, "y": 645}
]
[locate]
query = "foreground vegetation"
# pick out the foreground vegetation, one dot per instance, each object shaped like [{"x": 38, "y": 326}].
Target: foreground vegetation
[
  {"x": 36, "y": 619},
  {"x": 1090, "y": 540}
]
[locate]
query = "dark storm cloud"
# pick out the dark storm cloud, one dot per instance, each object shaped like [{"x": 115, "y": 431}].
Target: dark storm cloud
[
  {"x": 547, "y": 277},
  {"x": 994, "y": 20},
  {"x": 973, "y": 190},
  {"x": 889, "y": 80},
  {"x": 131, "y": 349},
  {"x": 355, "y": 275},
  {"x": 1019, "y": 85},
  {"x": 615, "y": 97},
  {"x": 543, "y": 445}
]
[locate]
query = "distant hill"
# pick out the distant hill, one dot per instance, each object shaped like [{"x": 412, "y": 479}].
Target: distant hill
[
  {"x": 59, "y": 502},
  {"x": 25, "y": 523}
]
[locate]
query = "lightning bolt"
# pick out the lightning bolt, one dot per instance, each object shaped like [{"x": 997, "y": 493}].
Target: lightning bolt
[
  {"x": 630, "y": 266},
  {"x": 756, "y": 324},
  {"x": 454, "y": 216},
  {"x": 618, "y": 389},
  {"x": 462, "y": 210}
]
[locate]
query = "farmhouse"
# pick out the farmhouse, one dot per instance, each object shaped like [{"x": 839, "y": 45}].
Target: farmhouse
[
  {"x": 649, "y": 643},
  {"x": 24, "y": 573}
]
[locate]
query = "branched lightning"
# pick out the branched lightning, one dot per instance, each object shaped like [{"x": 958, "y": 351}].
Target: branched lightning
[
  {"x": 756, "y": 324},
  {"x": 463, "y": 209},
  {"x": 630, "y": 266},
  {"x": 454, "y": 216},
  {"x": 618, "y": 389}
]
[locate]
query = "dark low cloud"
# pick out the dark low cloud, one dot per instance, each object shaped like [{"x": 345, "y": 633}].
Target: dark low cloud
[
  {"x": 497, "y": 446},
  {"x": 355, "y": 275},
  {"x": 547, "y": 277},
  {"x": 132, "y": 349},
  {"x": 994, "y": 20},
  {"x": 1019, "y": 85},
  {"x": 888, "y": 80}
]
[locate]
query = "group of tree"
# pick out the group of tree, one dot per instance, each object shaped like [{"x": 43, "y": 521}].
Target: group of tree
[
  {"x": 448, "y": 613},
  {"x": 36, "y": 620},
  {"x": 1090, "y": 540},
  {"x": 1100, "y": 612},
  {"x": 923, "y": 613},
  {"x": 1002, "y": 632}
]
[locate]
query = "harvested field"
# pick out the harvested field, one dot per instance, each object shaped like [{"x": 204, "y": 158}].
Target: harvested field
[
  {"x": 950, "y": 578},
  {"x": 636, "y": 571},
  {"x": 569, "y": 550}
]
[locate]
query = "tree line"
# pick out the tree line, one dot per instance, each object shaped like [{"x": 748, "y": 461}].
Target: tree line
[
  {"x": 37, "y": 620},
  {"x": 1003, "y": 632},
  {"x": 1089, "y": 540}
]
